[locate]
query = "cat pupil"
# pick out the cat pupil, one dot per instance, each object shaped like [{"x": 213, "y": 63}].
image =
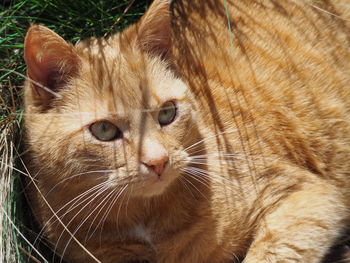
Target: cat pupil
[{"x": 103, "y": 127}]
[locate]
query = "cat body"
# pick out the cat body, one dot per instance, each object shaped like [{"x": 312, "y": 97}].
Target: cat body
[{"x": 254, "y": 165}]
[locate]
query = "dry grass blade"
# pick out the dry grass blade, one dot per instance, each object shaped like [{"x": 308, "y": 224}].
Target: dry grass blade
[{"x": 7, "y": 248}]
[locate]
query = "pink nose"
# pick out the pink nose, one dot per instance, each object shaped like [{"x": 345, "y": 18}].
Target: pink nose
[{"x": 158, "y": 165}]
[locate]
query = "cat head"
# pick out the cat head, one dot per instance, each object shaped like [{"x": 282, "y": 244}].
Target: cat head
[{"x": 108, "y": 111}]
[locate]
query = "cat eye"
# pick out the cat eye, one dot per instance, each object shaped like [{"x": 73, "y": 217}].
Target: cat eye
[
  {"x": 167, "y": 113},
  {"x": 105, "y": 131}
]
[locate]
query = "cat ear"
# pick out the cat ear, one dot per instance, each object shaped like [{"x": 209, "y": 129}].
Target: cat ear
[
  {"x": 50, "y": 60},
  {"x": 154, "y": 32}
]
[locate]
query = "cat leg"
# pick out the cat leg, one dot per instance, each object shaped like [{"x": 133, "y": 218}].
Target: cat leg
[{"x": 302, "y": 228}]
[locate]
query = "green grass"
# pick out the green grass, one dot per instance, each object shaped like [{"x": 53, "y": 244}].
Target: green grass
[{"x": 73, "y": 20}]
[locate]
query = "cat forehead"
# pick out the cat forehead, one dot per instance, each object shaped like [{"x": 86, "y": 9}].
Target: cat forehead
[
  {"x": 128, "y": 72},
  {"x": 100, "y": 48},
  {"x": 127, "y": 90},
  {"x": 129, "y": 103}
]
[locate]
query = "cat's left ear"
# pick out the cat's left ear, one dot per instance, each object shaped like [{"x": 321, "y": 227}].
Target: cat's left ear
[{"x": 154, "y": 29}]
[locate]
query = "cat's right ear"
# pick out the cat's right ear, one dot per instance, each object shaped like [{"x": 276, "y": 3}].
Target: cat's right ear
[{"x": 51, "y": 62}]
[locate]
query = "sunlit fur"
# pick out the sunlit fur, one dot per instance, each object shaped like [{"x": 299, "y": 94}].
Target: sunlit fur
[{"x": 258, "y": 153}]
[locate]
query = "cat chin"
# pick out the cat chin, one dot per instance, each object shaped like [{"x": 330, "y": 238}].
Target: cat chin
[{"x": 154, "y": 185}]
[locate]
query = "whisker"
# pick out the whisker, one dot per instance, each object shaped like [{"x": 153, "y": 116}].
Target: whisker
[
  {"x": 213, "y": 165},
  {"x": 208, "y": 138},
  {"x": 97, "y": 194},
  {"x": 75, "y": 200},
  {"x": 60, "y": 221},
  {"x": 109, "y": 210},
  {"x": 181, "y": 178},
  {"x": 115, "y": 192},
  {"x": 121, "y": 203},
  {"x": 77, "y": 175},
  {"x": 211, "y": 175},
  {"x": 127, "y": 201},
  {"x": 82, "y": 223},
  {"x": 186, "y": 172},
  {"x": 230, "y": 156},
  {"x": 80, "y": 196}
]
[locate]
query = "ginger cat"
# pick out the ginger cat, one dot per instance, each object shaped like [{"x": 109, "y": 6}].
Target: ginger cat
[{"x": 211, "y": 131}]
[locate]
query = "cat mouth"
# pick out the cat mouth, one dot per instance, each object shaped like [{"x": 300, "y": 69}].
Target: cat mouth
[
  {"x": 144, "y": 182},
  {"x": 153, "y": 184}
]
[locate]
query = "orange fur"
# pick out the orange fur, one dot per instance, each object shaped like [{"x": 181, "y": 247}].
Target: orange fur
[{"x": 258, "y": 151}]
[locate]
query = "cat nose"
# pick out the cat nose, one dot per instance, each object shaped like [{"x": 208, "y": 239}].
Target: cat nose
[{"x": 158, "y": 164}]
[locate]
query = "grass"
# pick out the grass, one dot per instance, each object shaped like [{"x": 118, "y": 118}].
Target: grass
[{"x": 73, "y": 20}]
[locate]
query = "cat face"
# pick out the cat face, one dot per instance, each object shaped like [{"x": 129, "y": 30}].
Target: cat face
[
  {"x": 134, "y": 122},
  {"x": 114, "y": 112}
]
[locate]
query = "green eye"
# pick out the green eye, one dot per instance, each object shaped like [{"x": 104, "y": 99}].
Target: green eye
[
  {"x": 105, "y": 131},
  {"x": 167, "y": 113}
]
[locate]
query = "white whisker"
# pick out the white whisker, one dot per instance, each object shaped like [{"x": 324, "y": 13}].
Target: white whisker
[
  {"x": 105, "y": 188},
  {"x": 59, "y": 220},
  {"x": 77, "y": 175},
  {"x": 75, "y": 200},
  {"x": 183, "y": 180},
  {"x": 110, "y": 208},
  {"x": 97, "y": 214},
  {"x": 86, "y": 218},
  {"x": 211, "y": 175},
  {"x": 208, "y": 138},
  {"x": 186, "y": 172}
]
